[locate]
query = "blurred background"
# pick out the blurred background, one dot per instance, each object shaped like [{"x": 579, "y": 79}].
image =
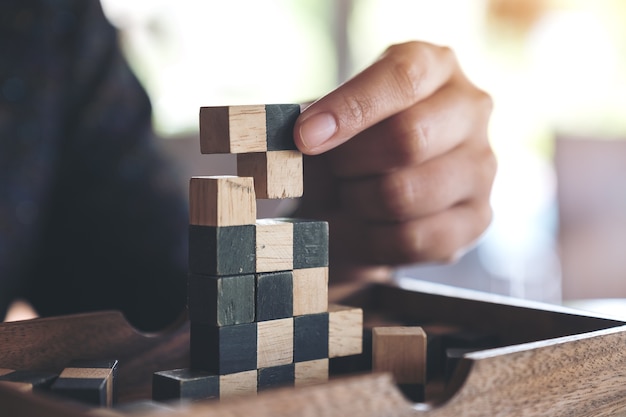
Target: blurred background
[{"x": 555, "y": 68}]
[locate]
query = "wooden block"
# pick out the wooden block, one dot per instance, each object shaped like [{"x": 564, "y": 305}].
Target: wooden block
[
  {"x": 184, "y": 384},
  {"x": 310, "y": 291},
  {"x": 221, "y": 201},
  {"x": 233, "y": 129},
  {"x": 238, "y": 384},
  {"x": 310, "y": 243},
  {"x": 310, "y": 337},
  {"x": 345, "y": 331},
  {"x": 280, "y": 120},
  {"x": 276, "y": 376},
  {"x": 223, "y": 350},
  {"x": 401, "y": 351},
  {"x": 26, "y": 380},
  {"x": 277, "y": 174},
  {"x": 275, "y": 342},
  {"x": 274, "y": 295},
  {"x": 91, "y": 382},
  {"x": 221, "y": 301},
  {"x": 217, "y": 251},
  {"x": 311, "y": 372},
  {"x": 274, "y": 245}
]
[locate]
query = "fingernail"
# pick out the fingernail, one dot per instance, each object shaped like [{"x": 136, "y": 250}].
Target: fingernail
[{"x": 317, "y": 129}]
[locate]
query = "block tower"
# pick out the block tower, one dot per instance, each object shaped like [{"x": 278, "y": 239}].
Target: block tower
[{"x": 258, "y": 288}]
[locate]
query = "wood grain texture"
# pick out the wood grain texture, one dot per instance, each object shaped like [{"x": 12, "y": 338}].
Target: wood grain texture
[
  {"x": 275, "y": 342},
  {"x": 221, "y": 301},
  {"x": 400, "y": 350},
  {"x": 221, "y": 201},
  {"x": 310, "y": 291},
  {"x": 277, "y": 174},
  {"x": 240, "y": 384},
  {"x": 311, "y": 372},
  {"x": 276, "y": 376},
  {"x": 225, "y": 250},
  {"x": 280, "y": 120},
  {"x": 223, "y": 350},
  {"x": 345, "y": 328},
  {"x": 274, "y": 295},
  {"x": 233, "y": 129},
  {"x": 184, "y": 384},
  {"x": 274, "y": 245},
  {"x": 310, "y": 337}
]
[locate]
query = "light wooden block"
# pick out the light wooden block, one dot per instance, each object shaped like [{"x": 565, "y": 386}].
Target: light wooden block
[
  {"x": 233, "y": 129},
  {"x": 221, "y": 201},
  {"x": 274, "y": 343},
  {"x": 311, "y": 372},
  {"x": 345, "y": 331},
  {"x": 274, "y": 245},
  {"x": 239, "y": 384},
  {"x": 401, "y": 351},
  {"x": 277, "y": 174},
  {"x": 310, "y": 291}
]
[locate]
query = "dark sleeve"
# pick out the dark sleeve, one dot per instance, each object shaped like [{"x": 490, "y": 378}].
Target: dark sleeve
[{"x": 115, "y": 228}]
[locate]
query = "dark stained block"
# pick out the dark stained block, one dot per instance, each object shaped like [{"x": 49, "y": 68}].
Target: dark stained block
[
  {"x": 221, "y": 301},
  {"x": 276, "y": 376},
  {"x": 184, "y": 384},
  {"x": 310, "y": 243},
  {"x": 280, "y": 120},
  {"x": 223, "y": 350},
  {"x": 310, "y": 337},
  {"x": 227, "y": 250},
  {"x": 26, "y": 380},
  {"x": 274, "y": 295},
  {"x": 91, "y": 382}
]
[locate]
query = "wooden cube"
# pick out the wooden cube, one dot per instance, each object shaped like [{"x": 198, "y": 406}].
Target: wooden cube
[
  {"x": 221, "y": 301},
  {"x": 221, "y": 201},
  {"x": 274, "y": 245},
  {"x": 184, "y": 384},
  {"x": 276, "y": 376},
  {"x": 311, "y": 372},
  {"x": 274, "y": 295},
  {"x": 217, "y": 251},
  {"x": 26, "y": 380},
  {"x": 275, "y": 342},
  {"x": 401, "y": 351},
  {"x": 233, "y": 129},
  {"x": 310, "y": 337},
  {"x": 345, "y": 331},
  {"x": 310, "y": 291},
  {"x": 91, "y": 382},
  {"x": 310, "y": 243},
  {"x": 223, "y": 350},
  {"x": 238, "y": 384},
  {"x": 280, "y": 120},
  {"x": 277, "y": 174}
]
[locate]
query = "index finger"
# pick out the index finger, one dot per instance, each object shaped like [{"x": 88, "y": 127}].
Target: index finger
[{"x": 405, "y": 74}]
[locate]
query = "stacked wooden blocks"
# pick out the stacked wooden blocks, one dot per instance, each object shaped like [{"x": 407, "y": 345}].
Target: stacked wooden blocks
[{"x": 258, "y": 289}]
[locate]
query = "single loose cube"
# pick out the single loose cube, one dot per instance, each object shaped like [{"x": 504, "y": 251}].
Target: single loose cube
[
  {"x": 310, "y": 291},
  {"x": 221, "y": 201},
  {"x": 280, "y": 120},
  {"x": 310, "y": 243},
  {"x": 345, "y": 331},
  {"x": 233, "y": 129},
  {"x": 227, "y": 250},
  {"x": 401, "y": 351},
  {"x": 221, "y": 301},
  {"x": 238, "y": 384},
  {"x": 311, "y": 372},
  {"x": 26, "y": 380},
  {"x": 184, "y": 384},
  {"x": 277, "y": 174},
  {"x": 275, "y": 342},
  {"x": 274, "y": 245},
  {"x": 274, "y": 295},
  {"x": 310, "y": 338},
  {"x": 276, "y": 376},
  {"x": 91, "y": 382},
  {"x": 223, "y": 350}
]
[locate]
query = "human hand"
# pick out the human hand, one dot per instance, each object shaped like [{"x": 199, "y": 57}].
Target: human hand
[{"x": 399, "y": 163}]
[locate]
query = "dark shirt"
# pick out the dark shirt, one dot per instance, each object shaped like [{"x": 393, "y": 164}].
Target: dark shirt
[{"x": 90, "y": 215}]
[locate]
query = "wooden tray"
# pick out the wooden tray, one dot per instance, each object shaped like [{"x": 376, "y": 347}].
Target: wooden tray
[{"x": 553, "y": 361}]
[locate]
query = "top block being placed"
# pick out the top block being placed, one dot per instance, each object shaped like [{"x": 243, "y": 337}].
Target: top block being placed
[
  {"x": 246, "y": 129},
  {"x": 221, "y": 201}
]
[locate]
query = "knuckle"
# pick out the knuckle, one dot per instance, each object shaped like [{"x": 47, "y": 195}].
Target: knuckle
[
  {"x": 359, "y": 110},
  {"x": 408, "y": 68},
  {"x": 397, "y": 196},
  {"x": 409, "y": 140}
]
